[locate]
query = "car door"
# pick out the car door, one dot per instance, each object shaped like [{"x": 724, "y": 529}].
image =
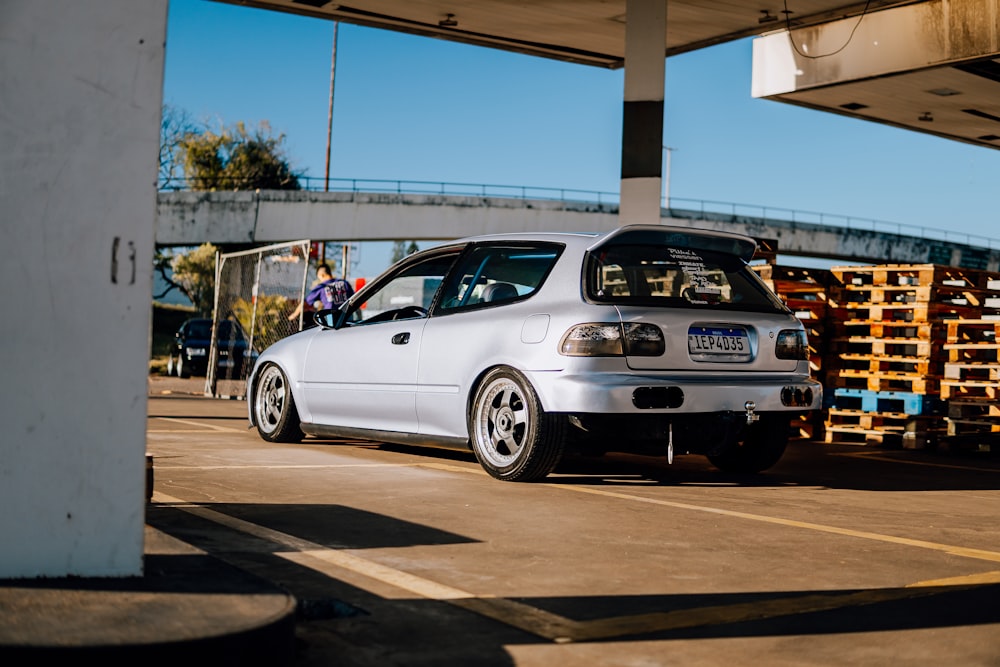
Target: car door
[
  {"x": 483, "y": 318},
  {"x": 364, "y": 373}
]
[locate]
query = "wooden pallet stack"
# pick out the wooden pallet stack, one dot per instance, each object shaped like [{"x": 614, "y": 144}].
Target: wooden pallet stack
[
  {"x": 971, "y": 384},
  {"x": 891, "y": 323},
  {"x": 804, "y": 291}
]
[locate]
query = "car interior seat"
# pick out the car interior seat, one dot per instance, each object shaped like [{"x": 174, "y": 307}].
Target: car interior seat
[{"x": 498, "y": 292}]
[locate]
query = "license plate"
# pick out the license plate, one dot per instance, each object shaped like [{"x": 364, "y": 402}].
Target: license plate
[{"x": 719, "y": 341}]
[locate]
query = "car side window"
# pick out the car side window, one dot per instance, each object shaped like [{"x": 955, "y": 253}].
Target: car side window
[
  {"x": 407, "y": 294},
  {"x": 494, "y": 274}
]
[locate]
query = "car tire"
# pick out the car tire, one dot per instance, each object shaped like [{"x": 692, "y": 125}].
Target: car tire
[
  {"x": 513, "y": 439},
  {"x": 274, "y": 412},
  {"x": 182, "y": 369},
  {"x": 760, "y": 447}
]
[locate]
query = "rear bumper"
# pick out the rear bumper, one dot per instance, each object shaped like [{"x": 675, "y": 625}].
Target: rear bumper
[{"x": 618, "y": 393}]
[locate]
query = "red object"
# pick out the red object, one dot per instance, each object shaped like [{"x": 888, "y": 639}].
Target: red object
[{"x": 358, "y": 284}]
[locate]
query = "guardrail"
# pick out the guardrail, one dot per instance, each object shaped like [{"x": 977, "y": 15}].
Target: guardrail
[{"x": 677, "y": 206}]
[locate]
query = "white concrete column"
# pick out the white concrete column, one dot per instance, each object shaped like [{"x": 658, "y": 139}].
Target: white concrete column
[
  {"x": 642, "y": 118},
  {"x": 81, "y": 86}
]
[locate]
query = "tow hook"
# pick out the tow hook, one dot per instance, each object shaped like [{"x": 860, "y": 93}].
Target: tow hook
[
  {"x": 751, "y": 415},
  {"x": 670, "y": 444}
]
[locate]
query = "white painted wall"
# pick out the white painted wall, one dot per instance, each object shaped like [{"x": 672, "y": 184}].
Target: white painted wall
[{"x": 80, "y": 97}]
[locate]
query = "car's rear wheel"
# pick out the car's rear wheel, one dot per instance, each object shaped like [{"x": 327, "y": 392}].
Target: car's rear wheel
[
  {"x": 760, "y": 447},
  {"x": 512, "y": 437},
  {"x": 274, "y": 411}
]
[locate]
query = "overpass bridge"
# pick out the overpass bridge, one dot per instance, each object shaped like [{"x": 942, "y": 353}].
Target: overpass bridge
[{"x": 371, "y": 210}]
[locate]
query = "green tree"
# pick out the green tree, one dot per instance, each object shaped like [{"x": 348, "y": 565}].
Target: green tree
[
  {"x": 401, "y": 250},
  {"x": 235, "y": 158},
  {"x": 194, "y": 274},
  {"x": 175, "y": 125}
]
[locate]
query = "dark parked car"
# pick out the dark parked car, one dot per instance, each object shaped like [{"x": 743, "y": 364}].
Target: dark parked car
[{"x": 193, "y": 345}]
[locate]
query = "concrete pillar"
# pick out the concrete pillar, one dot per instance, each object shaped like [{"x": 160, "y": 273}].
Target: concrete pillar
[
  {"x": 80, "y": 103},
  {"x": 642, "y": 118}
]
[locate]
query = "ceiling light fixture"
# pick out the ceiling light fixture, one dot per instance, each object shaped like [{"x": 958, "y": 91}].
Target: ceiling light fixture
[
  {"x": 448, "y": 21},
  {"x": 767, "y": 17},
  {"x": 926, "y": 117}
]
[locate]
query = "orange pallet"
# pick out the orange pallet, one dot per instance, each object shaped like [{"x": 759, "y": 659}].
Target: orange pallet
[
  {"x": 973, "y": 331},
  {"x": 908, "y": 274},
  {"x": 909, "y": 383},
  {"x": 899, "y": 347},
  {"x": 908, "y": 431},
  {"x": 966, "y": 389},
  {"x": 985, "y": 353},
  {"x": 974, "y": 410},
  {"x": 893, "y": 329},
  {"x": 884, "y": 364},
  {"x": 901, "y": 312},
  {"x": 974, "y": 372},
  {"x": 970, "y": 427}
]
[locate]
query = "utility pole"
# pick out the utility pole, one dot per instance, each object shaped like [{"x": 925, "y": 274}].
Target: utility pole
[
  {"x": 329, "y": 124},
  {"x": 666, "y": 178},
  {"x": 329, "y": 119}
]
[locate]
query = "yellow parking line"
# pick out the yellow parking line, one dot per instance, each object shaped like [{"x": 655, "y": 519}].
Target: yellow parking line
[
  {"x": 871, "y": 456},
  {"x": 741, "y": 613},
  {"x": 980, "y": 579},
  {"x": 981, "y": 554},
  {"x": 200, "y": 425},
  {"x": 325, "y": 466},
  {"x": 558, "y": 628},
  {"x": 314, "y": 556}
]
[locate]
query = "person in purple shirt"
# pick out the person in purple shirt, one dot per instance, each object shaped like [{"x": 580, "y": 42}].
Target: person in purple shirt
[{"x": 328, "y": 292}]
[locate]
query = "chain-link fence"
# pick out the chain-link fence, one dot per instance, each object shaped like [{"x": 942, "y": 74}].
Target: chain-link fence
[{"x": 255, "y": 291}]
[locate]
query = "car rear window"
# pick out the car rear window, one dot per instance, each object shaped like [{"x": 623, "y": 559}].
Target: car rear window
[
  {"x": 672, "y": 276},
  {"x": 200, "y": 330}
]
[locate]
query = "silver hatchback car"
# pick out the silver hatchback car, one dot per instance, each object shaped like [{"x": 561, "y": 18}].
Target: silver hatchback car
[{"x": 521, "y": 347}]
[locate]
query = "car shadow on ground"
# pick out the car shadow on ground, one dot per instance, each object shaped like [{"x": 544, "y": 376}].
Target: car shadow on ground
[
  {"x": 805, "y": 464},
  {"x": 335, "y": 615}
]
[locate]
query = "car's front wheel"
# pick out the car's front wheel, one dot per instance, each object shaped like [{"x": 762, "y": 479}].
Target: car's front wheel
[
  {"x": 760, "y": 447},
  {"x": 512, "y": 437},
  {"x": 274, "y": 411},
  {"x": 183, "y": 369}
]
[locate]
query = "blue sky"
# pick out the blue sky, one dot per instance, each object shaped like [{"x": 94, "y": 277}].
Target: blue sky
[{"x": 415, "y": 108}]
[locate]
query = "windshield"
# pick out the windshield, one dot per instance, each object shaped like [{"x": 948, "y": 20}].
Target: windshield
[{"x": 658, "y": 275}]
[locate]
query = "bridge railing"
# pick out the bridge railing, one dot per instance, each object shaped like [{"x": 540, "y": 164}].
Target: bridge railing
[{"x": 677, "y": 206}]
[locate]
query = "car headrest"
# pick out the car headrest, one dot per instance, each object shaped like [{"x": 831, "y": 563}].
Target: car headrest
[{"x": 498, "y": 292}]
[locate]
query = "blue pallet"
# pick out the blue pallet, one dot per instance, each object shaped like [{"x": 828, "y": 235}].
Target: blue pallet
[{"x": 887, "y": 401}]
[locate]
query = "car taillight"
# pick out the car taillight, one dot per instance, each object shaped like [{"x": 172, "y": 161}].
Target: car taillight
[
  {"x": 606, "y": 339},
  {"x": 791, "y": 344}
]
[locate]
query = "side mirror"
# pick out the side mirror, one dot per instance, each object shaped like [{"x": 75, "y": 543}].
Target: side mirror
[{"x": 326, "y": 318}]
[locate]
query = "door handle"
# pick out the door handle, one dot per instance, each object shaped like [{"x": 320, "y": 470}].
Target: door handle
[{"x": 401, "y": 338}]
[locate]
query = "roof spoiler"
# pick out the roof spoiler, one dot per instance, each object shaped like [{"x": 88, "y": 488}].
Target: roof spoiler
[{"x": 742, "y": 246}]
